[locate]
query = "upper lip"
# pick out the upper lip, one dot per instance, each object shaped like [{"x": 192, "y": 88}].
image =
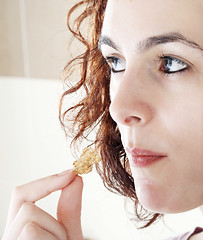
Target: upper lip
[{"x": 143, "y": 152}]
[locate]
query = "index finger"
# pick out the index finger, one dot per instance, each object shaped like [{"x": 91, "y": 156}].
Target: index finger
[{"x": 38, "y": 189}]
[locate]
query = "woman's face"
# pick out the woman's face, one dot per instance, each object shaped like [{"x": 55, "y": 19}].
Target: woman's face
[{"x": 155, "y": 50}]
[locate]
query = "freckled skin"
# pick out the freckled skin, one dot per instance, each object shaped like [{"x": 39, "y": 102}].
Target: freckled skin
[{"x": 155, "y": 111}]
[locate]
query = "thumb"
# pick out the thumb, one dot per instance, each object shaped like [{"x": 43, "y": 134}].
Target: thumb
[{"x": 69, "y": 209}]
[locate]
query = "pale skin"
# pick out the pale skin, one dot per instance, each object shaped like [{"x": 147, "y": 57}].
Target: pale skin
[
  {"x": 156, "y": 91},
  {"x": 153, "y": 109},
  {"x": 26, "y": 221}
]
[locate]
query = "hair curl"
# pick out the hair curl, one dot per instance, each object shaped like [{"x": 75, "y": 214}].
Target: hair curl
[{"x": 92, "y": 111}]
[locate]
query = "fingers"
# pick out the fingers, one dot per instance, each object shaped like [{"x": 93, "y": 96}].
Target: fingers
[
  {"x": 25, "y": 216},
  {"x": 32, "y": 231},
  {"x": 29, "y": 218},
  {"x": 69, "y": 209},
  {"x": 36, "y": 190}
]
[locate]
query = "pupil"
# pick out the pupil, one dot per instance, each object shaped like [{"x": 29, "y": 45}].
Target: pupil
[{"x": 169, "y": 63}]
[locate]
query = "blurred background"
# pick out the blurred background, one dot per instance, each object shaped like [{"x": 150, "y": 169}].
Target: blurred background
[{"x": 33, "y": 51}]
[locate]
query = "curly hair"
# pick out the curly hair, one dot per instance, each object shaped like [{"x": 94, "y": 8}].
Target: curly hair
[{"x": 92, "y": 111}]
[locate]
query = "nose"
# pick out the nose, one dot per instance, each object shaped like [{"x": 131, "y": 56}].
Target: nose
[{"x": 130, "y": 101}]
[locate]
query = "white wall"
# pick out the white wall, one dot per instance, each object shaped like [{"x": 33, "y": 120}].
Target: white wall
[{"x": 34, "y": 37}]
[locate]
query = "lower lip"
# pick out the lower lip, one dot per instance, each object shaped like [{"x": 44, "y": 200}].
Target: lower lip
[{"x": 144, "y": 161}]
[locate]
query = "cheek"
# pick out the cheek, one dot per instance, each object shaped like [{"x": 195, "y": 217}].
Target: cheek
[
  {"x": 162, "y": 187},
  {"x": 184, "y": 127}
]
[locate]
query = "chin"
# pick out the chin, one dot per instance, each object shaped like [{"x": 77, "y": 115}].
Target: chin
[
  {"x": 159, "y": 200},
  {"x": 149, "y": 196},
  {"x": 152, "y": 203}
]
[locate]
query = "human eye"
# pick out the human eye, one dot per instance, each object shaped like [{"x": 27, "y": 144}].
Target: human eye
[
  {"x": 170, "y": 65},
  {"x": 116, "y": 64}
]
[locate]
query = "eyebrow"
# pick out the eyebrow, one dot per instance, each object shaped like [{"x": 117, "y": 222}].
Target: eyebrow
[{"x": 153, "y": 41}]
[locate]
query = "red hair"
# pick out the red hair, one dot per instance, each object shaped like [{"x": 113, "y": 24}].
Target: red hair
[{"x": 92, "y": 111}]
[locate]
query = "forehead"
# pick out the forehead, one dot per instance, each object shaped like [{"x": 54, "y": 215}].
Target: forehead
[
  {"x": 152, "y": 7},
  {"x": 132, "y": 20}
]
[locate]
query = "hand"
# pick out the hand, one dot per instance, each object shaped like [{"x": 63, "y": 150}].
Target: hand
[{"x": 26, "y": 221}]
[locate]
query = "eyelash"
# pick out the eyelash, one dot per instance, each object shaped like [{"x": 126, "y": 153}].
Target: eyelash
[
  {"x": 177, "y": 60},
  {"x": 111, "y": 59}
]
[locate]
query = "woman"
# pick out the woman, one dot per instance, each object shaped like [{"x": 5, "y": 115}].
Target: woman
[{"x": 142, "y": 73}]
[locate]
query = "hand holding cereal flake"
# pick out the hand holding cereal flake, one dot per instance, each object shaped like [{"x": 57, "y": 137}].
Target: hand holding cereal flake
[{"x": 86, "y": 161}]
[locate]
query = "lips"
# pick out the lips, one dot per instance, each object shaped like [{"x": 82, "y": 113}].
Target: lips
[{"x": 143, "y": 158}]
